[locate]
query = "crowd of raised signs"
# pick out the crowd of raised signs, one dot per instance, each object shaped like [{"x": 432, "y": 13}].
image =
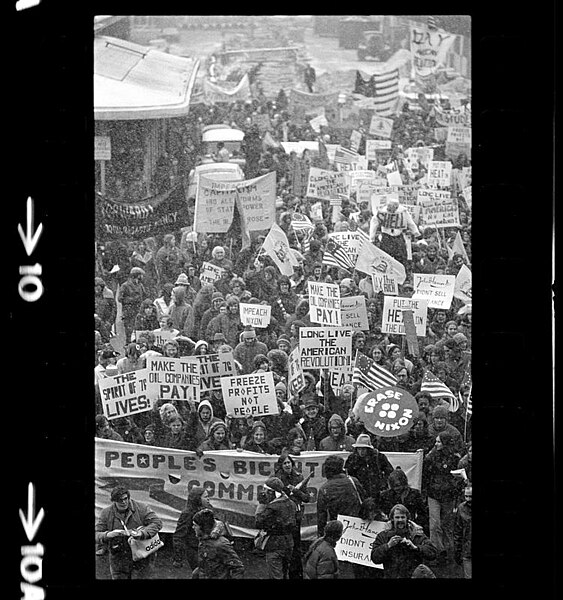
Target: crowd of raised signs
[{"x": 166, "y": 309}]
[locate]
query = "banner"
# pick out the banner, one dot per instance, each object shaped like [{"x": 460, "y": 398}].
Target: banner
[
  {"x": 325, "y": 347},
  {"x": 256, "y": 201},
  {"x": 213, "y": 93},
  {"x": 439, "y": 173},
  {"x": 452, "y": 118},
  {"x": 393, "y": 307},
  {"x": 173, "y": 378},
  {"x": 162, "y": 478},
  {"x": 354, "y": 313},
  {"x": 454, "y": 149},
  {"x": 214, "y": 206},
  {"x": 380, "y": 126},
  {"x": 428, "y": 48},
  {"x": 304, "y": 101},
  {"x": 437, "y": 289},
  {"x": 212, "y": 367},
  {"x": 324, "y": 303},
  {"x": 210, "y": 273},
  {"x": 256, "y": 315},
  {"x": 153, "y": 216},
  {"x": 439, "y": 209},
  {"x": 357, "y": 539},
  {"x": 125, "y": 394},
  {"x": 323, "y": 184},
  {"x": 374, "y": 260},
  {"x": 250, "y": 395}
]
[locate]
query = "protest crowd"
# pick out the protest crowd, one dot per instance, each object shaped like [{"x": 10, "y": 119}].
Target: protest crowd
[{"x": 368, "y": 234}]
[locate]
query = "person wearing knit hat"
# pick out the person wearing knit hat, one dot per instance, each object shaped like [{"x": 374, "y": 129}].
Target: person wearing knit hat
[
  {"x": 337, "y": 439},
  {"x": 260, "y": 363},
  {"x": 257, "y": 439},
  {"x": 217, "y": 438},
  {"x": 248, "y": 349},
  {"x": 201, "y": 347},
  {"x": 440, "y": 424},
  {"x": 276, "y": 516},
  {"x": 281, "y": 391},
  {"x": 312, "y": 422},
  {"x": 217, "y": 300},
  {"x": 321, "y": 561},
  {"x": 284, "y": 343},
  {"x": 182, "y": 279},
  {"x": 149, "y": 435}
]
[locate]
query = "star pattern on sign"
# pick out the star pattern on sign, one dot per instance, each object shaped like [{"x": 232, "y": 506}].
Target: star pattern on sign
[{"x": 143, "y": 460}]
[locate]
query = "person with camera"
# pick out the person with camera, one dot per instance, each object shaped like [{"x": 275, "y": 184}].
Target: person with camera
[
  {"x": 401, "y": 547},
  {"x": 126, "y": 518}
]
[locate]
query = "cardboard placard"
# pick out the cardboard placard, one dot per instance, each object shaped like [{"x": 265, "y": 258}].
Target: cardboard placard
[
  {"x": 255, "y": 315},
  {"x": 393, "y": 307},
  {"x": 324, "y": 303},
  {"x": 173, "y": 378},
  {"x": 250, "y": 395},
  {"x": 125, "y": 394},
  {"x": 325, "y": 347},
  {"x": 437, "y": 289},
  {"x": 212, "y": 367}
]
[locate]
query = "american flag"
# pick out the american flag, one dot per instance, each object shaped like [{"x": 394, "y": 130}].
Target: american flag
[
  {"x": 371, "y": 375},
  {"x": 384, "y": 87},
  {"x": 335, "y": 255},
  {"x": 467, "y": 383},
  {"x": 435, "y": 387},
  {"x": 300, "y": 221},
  {"x": 345, "y": 156}
]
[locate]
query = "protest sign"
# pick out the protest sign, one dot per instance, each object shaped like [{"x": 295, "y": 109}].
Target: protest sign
[
  {"x": 467, "y": 196},
  {"x": 386, "y": 283},
  {"x": 317, "y": 211},
  {"x": 452, "y": 117},
  {"x": 250, "y": 395},
  {"x": 375, "y": 146},
  {"x": 214, "y": 205},
  {"x": 162, "y": 478},
  {"x": 213, "y": 93},
  {"x": 325, "y": 347},
  {"x": 296, "y": 378},
  {"x": 212, "y": 367},
  {"x": 454, "y": 149},
  {"x": 256, "y": 315},
  {"x": 351, "y": 241},
  {"x": 337, "y": 378},
  {"x": 357, "y": 538},
  {"x": 354, "y": 313},
  {"x": 428, "y": 48},
  {"x": 394, "y": 178},
  {"x": 323, "y": 184},
  {"x": 256, "y": 201},
  {"x": 439, "y": 209},
  {"x": 393, "y": 315},
  {"x": 210, "y": 273},
  {"x": 421, "y": 155},
  {"x": 459, "y": 135},
  {"x": 439, "y": 173},
  {"x": 161, "y": 337},
  {"x": 355, "y": 140},
  {"x": 463, "y": 284},
  {"x": 387, "y": 412},
  {"x": 324, "y": 303},
  {"x": 374, "y": 260},
  {"x": 125, "y": 394},
  {"x": 173, "y": 378},
  {"x": 381, "y": 126},
  {"x": 437, "y": 289}
]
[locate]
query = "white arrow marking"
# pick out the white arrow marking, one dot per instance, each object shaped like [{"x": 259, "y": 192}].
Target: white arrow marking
[
  {"x": 30, "y": 522},
  {"x": 29, "y": 238}
]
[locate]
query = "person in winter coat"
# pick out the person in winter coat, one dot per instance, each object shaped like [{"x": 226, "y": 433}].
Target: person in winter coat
[
  {"x": 313, "y": 423},
  {"x": 162, "y": 303},
  {"x": 126, "y": 517},
  {"x": 177, "y": 435},
  {"x": 462, "y": 533},
  {"x": 146, "y": 319},
  {"x": 105, "y": 431},
  {"x": 217, "y": 438},
  {"x": 201, "y": 303},
  {"x": 275, "y": 514},
  {"x": 257, "y": 441},
  {"x": 370, "y": 466},
  {"x": 105, "y": 307},
  {"x": 184, "y": 539},
  {"x": 295, "y": 487},
  {"x": 217, "y": 559},
  {"x": 439, "y": 425},
  {"x": 321, "y": 561},
  {"x": 131, "y": 293},
  {"x": 441, "y": 488},
  {"x": 341, "y": 494},
  {"x": 213, "y": 311},
  {"x": 168, "y": 260},
  {"x": 227, "y": 323},
  {"x": 401, "y": 547},
  {"x": 128, "y": 430},
  {"x": 285, "y": 301},
  {"x": 336, "y": 439},
  {"x": 301, "y": 314},
  {"x": 180, "y": 310},
  {"x": 400, "y": 492},
  {"x": 204, "y": 420},
  {"x": 246, "y": 350}
]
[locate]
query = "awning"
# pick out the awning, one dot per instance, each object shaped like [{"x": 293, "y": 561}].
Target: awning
[{"x": 138, "y": 82}]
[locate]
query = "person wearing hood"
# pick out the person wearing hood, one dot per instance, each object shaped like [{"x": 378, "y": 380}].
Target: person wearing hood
[
  {"x": 402, "y": 546},
  {"x": 440, "y": 424},
  {"x": 227, "y": 323},
  {"x": 370, "y": 466},
  {"x": 276, "y": 515},
  {"x": 257, "y": 440},
  {"x": 321, "y": 561},
  {"x": 131, "y": 293},
  {"x": 217, "y": 438},
  {"x": 400, "y": 492},
  {"x": 337, "y": 440},
  {"x": 217, "y": 299},
  {"x": 201, "y": 347},
  {"x": 205, "y": 419},
  {"x": 246, "y": 350},
  {"x": 180, "y": 309},
  {"x": 105, "y": 307}
]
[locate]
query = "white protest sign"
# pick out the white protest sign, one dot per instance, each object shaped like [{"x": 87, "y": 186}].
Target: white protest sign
[
  {"x": 323, "y": 184},
  {"x": 339, "y": 378},
  {"x": 214, "y": 206},
  {"x": 393, "y": 315},
  {"x": 324, "y": 303},
  {"x": 420, "y": 154},
  {"x": 467, "y": 196},
  {"x": 375, "y": 146},
  {"x": 394, "y": 178},
  {"x": 102, "y": 147},
  {"x": 386, "y": 283},
  {"x": 437, "y": 289},
  {"x": 325, "y": 347},
  {"x": 296, "y": 378},
  {"x": 256, "y": 315},
  {"x": 317, "y": 211},
  {"x": 212, "y": 367},
  {"x": 439, "y": 209},
  {"x": 459, "y": 135},
  {"x": 354, "y": 312},
  {"x": 381, "y": 126},
  {"x": 161, "y": 337},
  {"x": 256, "y": 201},
  {"x": 250, "y": 395},
  {"x": 463, "y": 284},
  {"x": 357, "y": 539},
  {"x": 439, "y": 173},
  {"x": 173, "y": 378},
  {"x": 125, "y": 394},
  {"x": 210, "y": 273}
]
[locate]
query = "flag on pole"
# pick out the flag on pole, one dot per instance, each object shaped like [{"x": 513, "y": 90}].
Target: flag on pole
[
  {"x": 277, "y": 248},
  {"x": 335, "y": 255},
  {"x": 435, "y": 387},
  {"x": 371, "y": 375},
  {"x": 467, "y": 382},
  {"x": 459, "y": 248},
  {"x": 384, "y": 88},
  {"x": 300, "y": 221}
]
